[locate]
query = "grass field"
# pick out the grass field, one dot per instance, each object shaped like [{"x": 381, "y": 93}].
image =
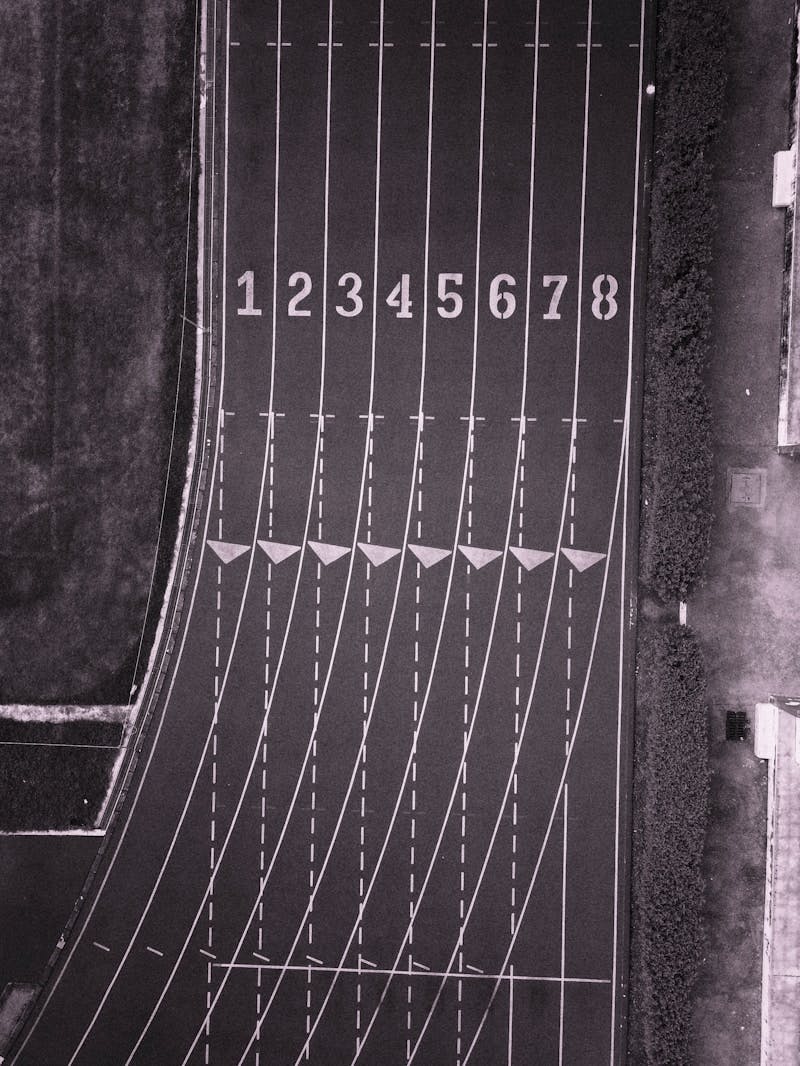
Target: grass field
[{"x": 95, "y": 130}]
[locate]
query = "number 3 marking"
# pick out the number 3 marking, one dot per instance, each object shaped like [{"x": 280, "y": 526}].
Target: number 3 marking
[
  {"x": 351, "y": 295},
  {"x": 606, "y": 298}
]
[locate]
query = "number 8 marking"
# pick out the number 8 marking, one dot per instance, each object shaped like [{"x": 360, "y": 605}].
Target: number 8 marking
[{"x": 607, "y": 298}]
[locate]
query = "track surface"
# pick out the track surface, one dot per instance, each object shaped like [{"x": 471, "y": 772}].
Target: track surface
[{"x": 383, "y": 812}]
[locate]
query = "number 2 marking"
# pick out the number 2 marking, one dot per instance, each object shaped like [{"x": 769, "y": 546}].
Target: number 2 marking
[
  {"x": 247, "y": 280},
  {"x": 299, "y": 278},
  {"x": 560, "y": 281}
]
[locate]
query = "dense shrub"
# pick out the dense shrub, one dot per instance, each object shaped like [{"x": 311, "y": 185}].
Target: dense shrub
[
  {"x": 676, "y": 454},
  {"x": 671, "y": 788}
]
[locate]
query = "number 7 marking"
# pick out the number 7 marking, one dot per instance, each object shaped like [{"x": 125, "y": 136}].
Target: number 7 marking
[{"x": 560, "y": 282}]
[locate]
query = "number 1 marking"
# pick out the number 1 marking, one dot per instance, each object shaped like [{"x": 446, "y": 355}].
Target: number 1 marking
[
  {"x": 560, "y": 282},
  {"x": 247, "y": 280}
]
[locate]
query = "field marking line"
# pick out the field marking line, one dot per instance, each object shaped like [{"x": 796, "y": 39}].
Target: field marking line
[
  {"x": 78, "y": 937},
  {"x": 623, "y": 562},
  {"x": 423, "y": 971}
]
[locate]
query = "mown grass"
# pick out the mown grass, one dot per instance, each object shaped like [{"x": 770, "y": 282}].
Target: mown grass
[{"x": 95, "y": 130}]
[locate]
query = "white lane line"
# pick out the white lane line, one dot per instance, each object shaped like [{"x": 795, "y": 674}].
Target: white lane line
[
  {"x": 497, "y": 600},
  {"x": 578, "y": 718},
  {"x": 562, "y": 990},
  {"x": 208, "y": 954},
  {"x": 264, "y": 733},
  {"x": 423, "y": 972},
  {"x": 155, "y": 951},
  {"x": 567, "y": 488},
  {"x": 77, "y": 938},
  {"x": 404, "y": 782},
  {"x": 288, "y": 625},
  {"x": 364, "y": 719},
  {"x": 510, "y": 1057},
  {"x": 624, "y": 560},
  {"x": 517, "y": 685},
  {"x": 97, "y": 944},
  {"x": 320, "y": 417},
  {"x": 214, "y": 742}
]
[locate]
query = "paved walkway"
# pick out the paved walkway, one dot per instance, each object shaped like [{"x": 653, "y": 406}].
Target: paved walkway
[
  {"x": 747, "y": 616},
  {"x": 781, "y": 1035}
]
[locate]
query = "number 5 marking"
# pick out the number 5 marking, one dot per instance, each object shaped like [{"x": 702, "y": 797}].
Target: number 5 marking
[
  {"x": 247, "y": 280},
  {"x": 560, "y": 281},
  {"x": 607, "y": 298}
]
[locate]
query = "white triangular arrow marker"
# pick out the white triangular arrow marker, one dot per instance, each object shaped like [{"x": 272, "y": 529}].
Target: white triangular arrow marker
[
  {"x": 428, "y": 556},
  {"x": 277, "y": 552},
  {"x": 530, "y": 557},
  {"x": 328, "y": 553},
  {"x": 227, "y": 551},
  {"x": 478, "y": 557},
  {"x": 582, "y": 560},
  {"x": 377, "y": 553}
]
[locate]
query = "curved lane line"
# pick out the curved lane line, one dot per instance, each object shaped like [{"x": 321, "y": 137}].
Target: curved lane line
[
  {"x": 398, "y": 582},
  {"x": 557, "y": 799},
  {"x": 193, "y": 786},
  {"x": 454, "y": 555},
  {"x": 78, "y": 937},
  {"x": 257, "y": 748}
]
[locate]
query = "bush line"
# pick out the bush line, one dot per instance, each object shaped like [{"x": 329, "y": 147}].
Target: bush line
[
  {"x": 670, "y": 813},
  {"x": 677, "y": 474}
]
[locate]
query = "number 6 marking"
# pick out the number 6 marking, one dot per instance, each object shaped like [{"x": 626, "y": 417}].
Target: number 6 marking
[{"x": 607, "y": 298}]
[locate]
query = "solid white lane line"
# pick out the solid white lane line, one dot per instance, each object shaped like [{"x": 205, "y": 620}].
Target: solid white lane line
[
  {"x": 563, "y": 934},
  {"x": 624, "y": 560},
  {"x": 320, "y": 417},
  {"x": 575, "y": 731},
  {"x": 568, "y": 485},
  {"x": 288, "y": 625}
]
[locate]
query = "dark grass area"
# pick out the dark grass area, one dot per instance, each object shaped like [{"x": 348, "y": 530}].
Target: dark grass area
[
  {"x": 52, "y": 788},
  {"x": 95, "y": 131},
  {"x": 85, "y": 731}
]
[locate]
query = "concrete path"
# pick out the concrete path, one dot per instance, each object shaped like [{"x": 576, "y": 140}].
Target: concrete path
[
  {"x": 781, "y": 1032},
  {"x": 747, "y": 615}
]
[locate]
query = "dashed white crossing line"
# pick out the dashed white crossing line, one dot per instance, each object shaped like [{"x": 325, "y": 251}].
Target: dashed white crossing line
[
  {"x": 97, "y": 944},
  {"x": 155, "y": 951}
]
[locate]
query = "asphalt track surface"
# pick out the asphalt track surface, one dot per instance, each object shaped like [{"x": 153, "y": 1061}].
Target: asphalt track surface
[{"x": 382, "y": 815}]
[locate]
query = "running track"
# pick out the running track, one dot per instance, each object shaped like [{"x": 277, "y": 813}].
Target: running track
[{"x": 382, "y": 814}]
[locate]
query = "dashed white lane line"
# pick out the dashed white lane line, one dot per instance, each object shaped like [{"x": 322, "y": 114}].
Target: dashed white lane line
[
  {"x": 464, "y": 742},
  {"x": 316, "y": 705},
  {"x": 212, "y": 847},
  {"x": 415, "y": 713},
  {"x": 267, "y": 698},
  {"x": 517, "y": 683},
  {"x": 364, "y": 720}
]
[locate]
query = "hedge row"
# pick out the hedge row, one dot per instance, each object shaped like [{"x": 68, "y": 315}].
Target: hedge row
[
  {"x": 677, "y": 458},
  {"x": 671, "y": 799}
]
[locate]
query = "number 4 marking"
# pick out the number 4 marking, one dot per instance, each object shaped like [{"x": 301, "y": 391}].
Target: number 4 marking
[
  {"x": 247, "y": 280},
  {"x": 560, "y": 282},
  {"x": 399, "y": 297}
]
